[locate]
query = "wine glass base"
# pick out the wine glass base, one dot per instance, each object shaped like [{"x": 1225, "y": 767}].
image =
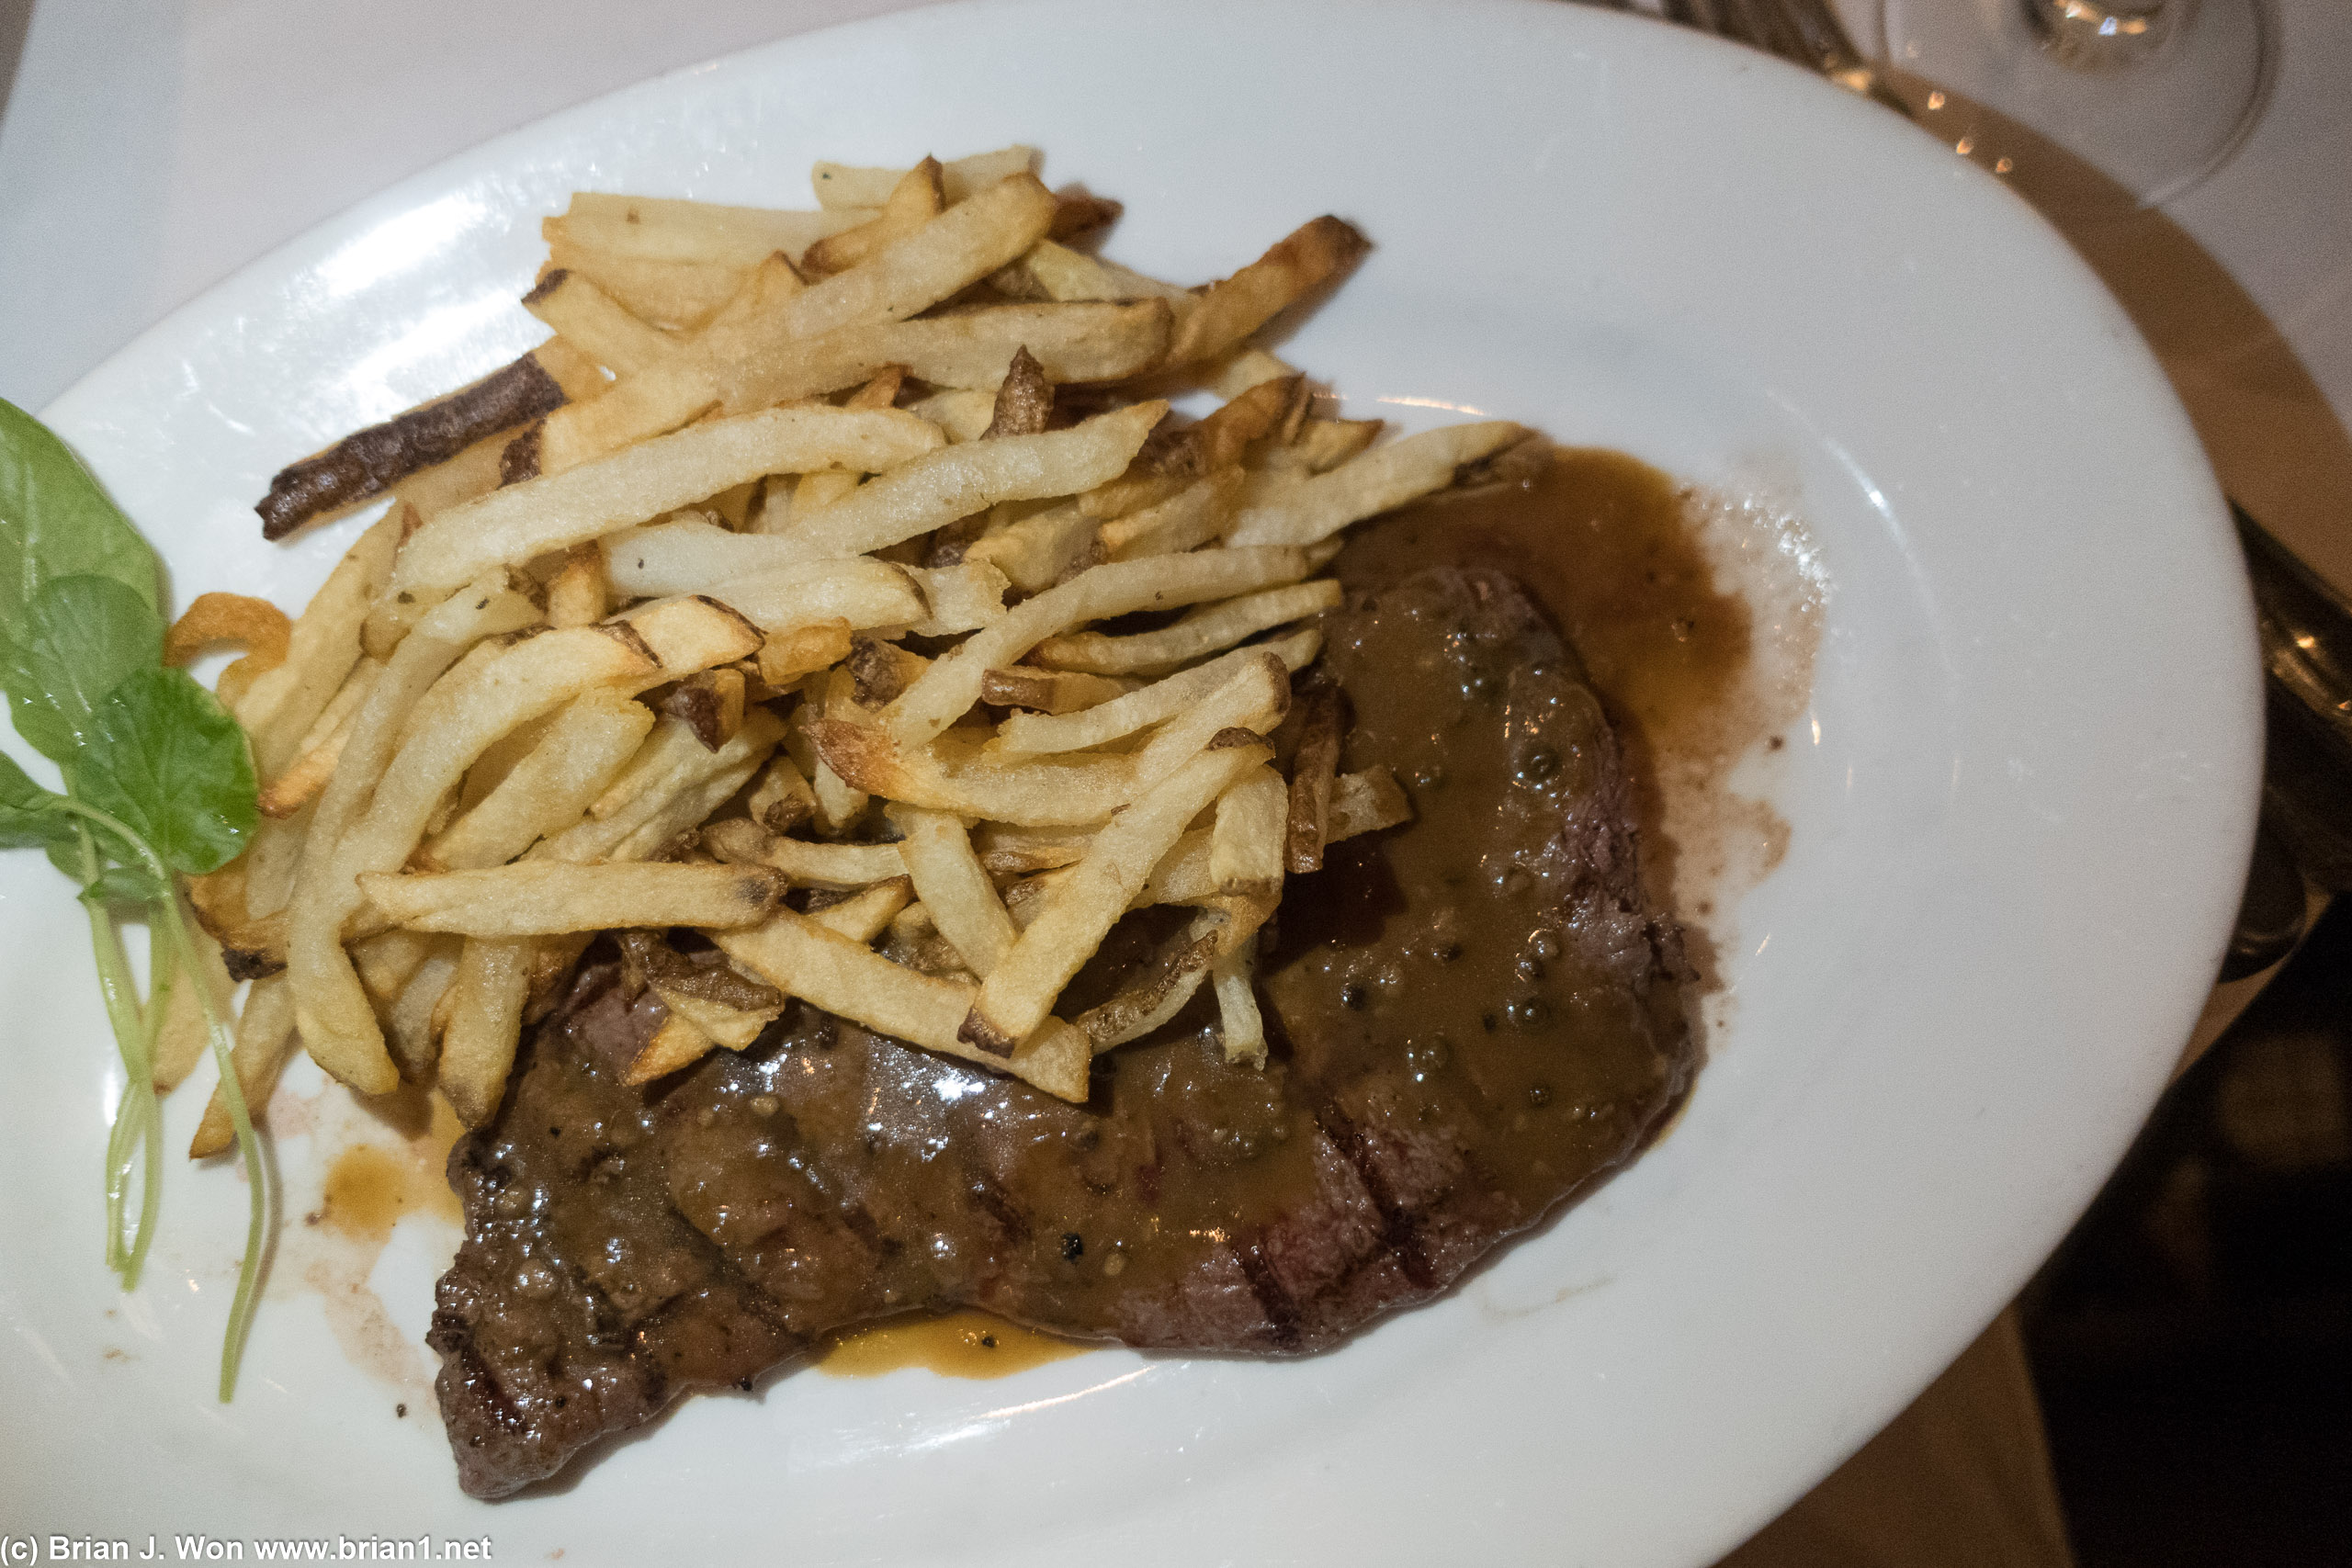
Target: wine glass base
[{"x": 2156, "y": 123}]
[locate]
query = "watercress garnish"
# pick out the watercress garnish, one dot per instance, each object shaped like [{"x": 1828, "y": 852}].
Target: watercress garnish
[{"x": 158, "y": 779}]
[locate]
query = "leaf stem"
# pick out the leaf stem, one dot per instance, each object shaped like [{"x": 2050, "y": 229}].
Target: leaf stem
[
  {"x": 164, "y": 914},
  {"x": 118, "y": 992}
]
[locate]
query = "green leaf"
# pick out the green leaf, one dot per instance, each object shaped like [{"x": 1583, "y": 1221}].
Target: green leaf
[
  {"x": 170, "y": 763},
  {"x": 29, "y": 815},
  {"x": 76, "y": 640},
  {"x": 56, "y": 522}
]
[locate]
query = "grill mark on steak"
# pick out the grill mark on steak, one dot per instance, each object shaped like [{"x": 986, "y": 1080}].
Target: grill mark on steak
[{"x": 1474, "y": 1017}]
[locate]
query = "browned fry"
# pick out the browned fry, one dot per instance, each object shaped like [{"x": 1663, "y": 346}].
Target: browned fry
[
  {"x": 1322, "y": 444},
  {"x": 1054, "y": 271},
  {"x": 1127, "y": 706},
  {"x": 689, "y": 633},
  {"x": 1040, "y": 551},
  {"x": 1024, "y": 401},
  {"x": 256, "y": 624},
  {"x": 371, "y": 461},
  {"x": 1045, "y": 792},
  {"x": 414, "y": 1017},
  {"x": 1293, "y": 508},
  {"x": 781, "y": 800},
  {"x": 573, "y": 755},
  {"x": 1077, "y": 213},
  {"x": 1313, "y": 767},
  {"x": 840, "y": 803},
  {"x": 954, "y": 250},
  {"x": 279, "y": 707},
  {"x": 863, "y": 916},
  {"x": 579, "y": 596},
  {"x": 1239, "y": 305},
  {"x": 1176, "y": 458},
  {"x": 918, "y": 197},
  {"x": 1158, "y": 991},
  {"x": 879, "y": 670},
  {"x": 710, "y": 703},
  {"x": 788, "y": 655},
  {"x": 1051, "y": 691},
  {"x": 1007, "y": 850}
]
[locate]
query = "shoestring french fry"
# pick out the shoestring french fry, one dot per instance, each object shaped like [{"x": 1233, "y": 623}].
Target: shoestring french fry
[{"x": 726, "y": 589}]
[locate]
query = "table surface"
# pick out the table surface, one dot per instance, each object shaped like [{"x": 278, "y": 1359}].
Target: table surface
[{"x": 148, "y": 148}]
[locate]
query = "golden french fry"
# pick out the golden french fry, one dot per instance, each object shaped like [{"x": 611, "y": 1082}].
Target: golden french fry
[
  {"x": 652, "y": 402},
  {"x": 1293, "y": 511},
  {"x": 745, "y": 843},
  {"x": 949, "y": 483},
  {"x": 756, "y": 363},
  {"x": 1052, "y": 692},
  {"x": 953, "y": 684},
  {"x": 1189, "y": 518},
  {"x": 279, "y": 707},
  {"x": 1364, "y": 802},
  {"x": 672, "y": 294},
  {"x": 548, "y": 897},
  {"x": 664, "y": 229},
  {"x": 1239, "y": 305},
  {"x": 789, "y": 654},
  {"x": 1250, "y": 701},
  {"x": 1039, "y": 793},
  {"x": 686, "y": 636},
  {"x": 653, "y": 477},
  {"x": 1007, "y": 850},
  {"x": 1059, "y": 273},
  {"x": 1246, "y": 845},
  {"x": 1235, "y": 975},
  {"x": 411, "y": 1032},
  {"x": 949, "y": 880},
  {"x": 577, "y": 756},
  {"x": 492, "y": 983},
  {"x": 863, "y": 916},
  {"x": 1204, "y": 631},
  {"x": 579, "y": 596},
  {"x": 289, "y": 791},
  {"x": 1014, "y": 1001},
  {"x": 841, "y": 185},
  {"x": 1322, "y": 444},
  {"x": 850, "y": 980},
  {"x": 766, "y": 286},
  {"x": 667, "y": 790},
  {"x": 1245, "y": 368},
  {"x": 679, "y": 1043},
  {"x": 1038, "y": 551},
  {"x": 915, "y": 200},
  {"x": 964, "y": 414},
  {"x": 265, "y": 1038},
  {"x": 1139, "y": 707},
  {"x": 945, "y": 257},
  {"x": 1178, "y": 456},
  {"x": 757, "y": 575},
  {"x": 959, "y": 598},
  {"x": 584, "y": 315}
]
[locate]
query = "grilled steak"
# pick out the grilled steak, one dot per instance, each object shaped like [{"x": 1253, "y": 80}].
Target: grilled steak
[{"x": 1474, "y": 1015}]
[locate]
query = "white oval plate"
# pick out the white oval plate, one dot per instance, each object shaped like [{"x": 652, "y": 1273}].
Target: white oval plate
[{"x": 2015, "y": 854}]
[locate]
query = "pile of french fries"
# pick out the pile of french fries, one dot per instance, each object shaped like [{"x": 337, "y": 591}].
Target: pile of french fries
[{"x": 836, "y": 586}]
